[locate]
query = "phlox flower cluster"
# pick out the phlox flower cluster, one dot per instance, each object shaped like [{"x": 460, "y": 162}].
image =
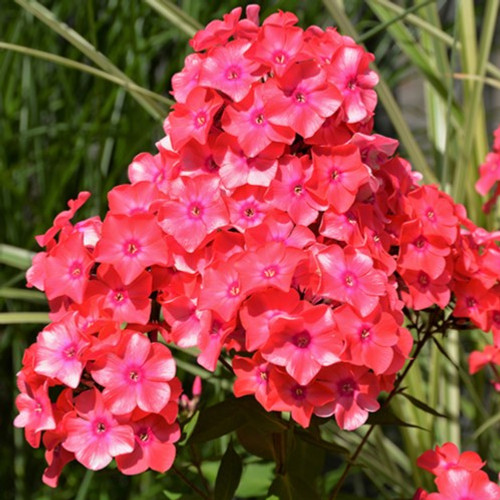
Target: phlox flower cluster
[
  {"x": 273, "y": 228},
  {"x": 458, "y": 475},
  {"x": 489, "y": 174}
]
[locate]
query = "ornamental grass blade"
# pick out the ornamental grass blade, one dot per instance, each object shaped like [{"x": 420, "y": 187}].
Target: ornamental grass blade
[
  {"x": 69, "y": 63},
  {"x": 15, "y": 257},
  {"x": 22, "y": 318},
  {"x": 86, "y": 48},
  {"x": 176, "y": 16}
]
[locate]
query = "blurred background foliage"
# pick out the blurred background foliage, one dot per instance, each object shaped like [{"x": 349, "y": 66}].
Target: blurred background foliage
[{"x": 63, "y": 130}]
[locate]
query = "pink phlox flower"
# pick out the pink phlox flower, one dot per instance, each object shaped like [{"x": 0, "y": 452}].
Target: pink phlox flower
[
  {"x": 249, "y": 121},
  {"x": 348, "y": 275},
  {"x": 306, "y": 99},
  {"x": 94, "y": 434},
  {"x": 257, "y": 312},
  {"x": 137, "y": 377},
  {"x": 146, "y": 167},
  {"x": 448, "y": 457},
  {"x": 221, "y": 290},
  {"x": 375, "y": 149},
  {"x": 333, "y": 131},
  {"x": 489, "y": 173},
  {"x": 349, "y": 71},
  {"x": 194, "y": 118},
  {"x": 124, "y": 303},
  {"x": 247, "y": 207},
  {"x": 90, "y": 229},
  {"x": 60, "y": 351},
  {"x": 62, "y": 219},
  {"x": 279, "y": 228},
  {"x": 304, "y": 343},
  {"x": 35, "y": 412},
  {"x": 187, "y": 79},
  {"x": 338, "y": 174},
  {"x": 474, "y": 300},
  {"x": 278, "y": 47},
  {"x": 196, "y": 210},
  {"x": 154, "y": 446},
  {"x": 355, "y": 390},
  {"x": 131, "y": 199},
  {"x": 290, "y": 190},
  {"x": 300, "y": 400},
  {"x": 370, "y": 340},
  {"x": 421, "y": 252},
  {"x": 216, "y": 32},
  {"x": 424, "y": 291},
  {"x": 342, "y": 227},
  {"x": 271, "y": 265},
  {"x": 237, "y": 169},
  {"x": 212, "y": 340},
  {"x": 252, "y": 378},
  {"x": 36, "y": 275},
  {"x": 465, "y": 485},
  {"x": 67, "y": 268},
  {"x": 199, "y": 159},
  {"x": 55, "y": 455},
  {"x": 227, "y": 70},
  {"x": 435, "y": 212},
  {"x": 131, "y": 244},
  {"x": 479, "y": 359}
]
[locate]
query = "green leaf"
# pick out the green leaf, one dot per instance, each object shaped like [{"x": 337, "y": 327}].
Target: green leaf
[
  {"x": 229, "y": 475},
  {"x": 189, "y": 428},
  {"x": 422, "y": 406},
  {"x": 287, "y": 487},
  {"x": 255, "y": 480},
  {"x": 256, "y": 441},
  {"x": 218, "y": 420}
]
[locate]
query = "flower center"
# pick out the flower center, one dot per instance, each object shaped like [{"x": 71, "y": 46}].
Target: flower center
[
  {"x": 302, "y": 339},
  {"x": 259, "y": 119},
  {"x": 299, "y": 392},
  {"x": 279, "y": 58},
  {"x": 134, "y": 376},
  {"x": 269, "y": 272},
  {"x": 100, "y": 427},
  {"x": 365, "y": 333},
  {"x": 131, "y": 248},
  {"x": 297, "y": 189},
  {"x": 349, "y": 280},
  {"x": 201, "y": 119},
  {"x": 300, "y": 97},
  {"x": 249, "y": 212},
  {"x": 423, "y": 278},
  {"x": 232, "y": 74},
  {"x": 471, "y": 302},
  {"x": 70, "y": 351}
]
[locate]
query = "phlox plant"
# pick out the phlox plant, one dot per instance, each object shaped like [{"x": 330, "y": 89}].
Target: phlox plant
[{"x": 283, "y": 245}]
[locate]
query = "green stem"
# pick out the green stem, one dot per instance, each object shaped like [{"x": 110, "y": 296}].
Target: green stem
[{"x": 195, "y": 488}]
